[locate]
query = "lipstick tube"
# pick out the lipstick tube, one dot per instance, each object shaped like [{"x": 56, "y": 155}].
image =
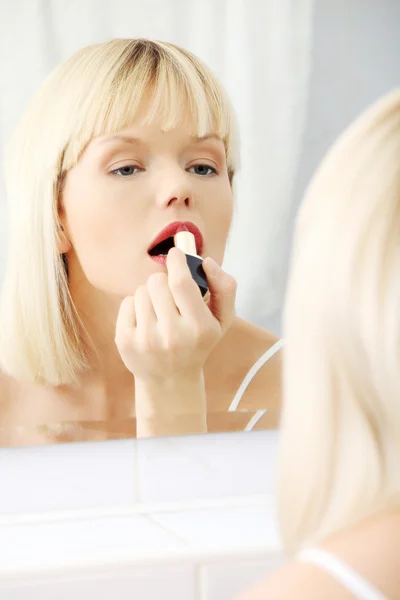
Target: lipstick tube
[{"x": 185, "y": 241}]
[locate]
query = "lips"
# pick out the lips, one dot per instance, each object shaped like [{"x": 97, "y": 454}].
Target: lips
[{"x": 170, "y": 230}]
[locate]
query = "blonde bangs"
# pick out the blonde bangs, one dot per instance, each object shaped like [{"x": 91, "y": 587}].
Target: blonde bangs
[{"x": 166, "y": 80}]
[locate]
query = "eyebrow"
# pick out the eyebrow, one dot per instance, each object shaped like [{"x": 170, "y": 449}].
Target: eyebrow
[
  {"x": 204, "y": 138},
  {"x": 120, "y": 138},
  {"x": 132, "y": 140}
]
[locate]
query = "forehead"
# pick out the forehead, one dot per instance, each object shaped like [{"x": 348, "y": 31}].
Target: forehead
[
  {"x": 146, "y": 133},
  {"x": 148, "y": 124},
  {"x": 155, "y": 113}
]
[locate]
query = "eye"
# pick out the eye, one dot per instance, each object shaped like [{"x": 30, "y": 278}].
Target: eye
[
  {"x": 204, "y": 170},
  {"x": 126, "y": 171}
]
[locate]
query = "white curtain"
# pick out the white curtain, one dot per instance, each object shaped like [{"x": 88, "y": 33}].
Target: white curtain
[{"x": 261, "y": 49}]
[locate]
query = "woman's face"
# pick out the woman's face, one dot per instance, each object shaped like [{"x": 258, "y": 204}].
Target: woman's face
[{"x": 126, "y": 188}]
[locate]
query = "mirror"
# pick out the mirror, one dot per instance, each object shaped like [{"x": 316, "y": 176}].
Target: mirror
[
  {"x": 101, "y": 336},
  {"x": 113, "y": 163}
]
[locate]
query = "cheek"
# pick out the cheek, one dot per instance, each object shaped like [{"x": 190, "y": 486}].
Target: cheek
[
  {"x": 101, "y": 228},
  {"x": 94, "y": 212},
  {"x": 222, "y": 211},
  {"x": 102, "y": 222},
  {"x": 218, "y": 218}
]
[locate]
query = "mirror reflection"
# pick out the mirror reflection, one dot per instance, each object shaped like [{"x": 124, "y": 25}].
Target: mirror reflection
[{"x": 118, "y": 318}]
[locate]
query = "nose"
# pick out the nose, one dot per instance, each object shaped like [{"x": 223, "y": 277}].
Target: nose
[{"x": 175, "y": 189}]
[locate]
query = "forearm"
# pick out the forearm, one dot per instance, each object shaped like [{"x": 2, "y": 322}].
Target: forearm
[{"x": 171, "y": 407}]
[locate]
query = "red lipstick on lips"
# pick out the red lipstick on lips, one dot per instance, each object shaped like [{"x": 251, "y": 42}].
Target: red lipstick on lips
[
  {"x": 164, "y": 241},
  {"x": 188, "y": 238}
]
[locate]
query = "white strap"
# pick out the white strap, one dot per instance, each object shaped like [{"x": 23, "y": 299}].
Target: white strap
[
  {"x": 341, "y": 572},
  {"x": 254, "y": 419},
  {"x": 252, "y": 372}
]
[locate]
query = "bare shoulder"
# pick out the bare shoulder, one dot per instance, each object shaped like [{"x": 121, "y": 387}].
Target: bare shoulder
[
  {"x": 264, "y": 391},
  {"x": 5, "y": 385},
  {"x": 11, "y": 407},
  {"x": 5, "y": 403},
  {"x": 300, "y": 581},
  {"x": 371, "y": 549},
  {"x": 229, "y": 364}
]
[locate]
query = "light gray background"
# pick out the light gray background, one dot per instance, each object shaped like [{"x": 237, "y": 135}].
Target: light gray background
[{"x": 355, "y": 59}]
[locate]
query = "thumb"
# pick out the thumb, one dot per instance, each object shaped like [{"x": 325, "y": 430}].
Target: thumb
[{"x": 222, "y": 287}]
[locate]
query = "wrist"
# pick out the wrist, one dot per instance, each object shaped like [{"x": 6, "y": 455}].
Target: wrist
[{"x": 171, "y": 406}]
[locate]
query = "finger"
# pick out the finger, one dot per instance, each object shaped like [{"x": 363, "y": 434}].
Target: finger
[
  {"x": 222, "y": 287},
  {"x": 126, "y": 321},
  {"x": 161, "y": 297},
  {"x": 145, "y": 315},
  {"x": 184, "y": 289}
]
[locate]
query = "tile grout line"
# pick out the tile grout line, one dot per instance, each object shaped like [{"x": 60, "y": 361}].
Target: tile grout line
[
  {"x": 138, "y": 491},
  {"x": 200, "y": 582},
  {"x": 166, "y": 529},
  {"x": 202, "y": 559},
  {"x": 254, "y": 500}
]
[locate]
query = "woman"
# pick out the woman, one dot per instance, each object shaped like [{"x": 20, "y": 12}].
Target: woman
[
  {"x": 99, "y": 332},
  {"x": 339, "y": 495}
]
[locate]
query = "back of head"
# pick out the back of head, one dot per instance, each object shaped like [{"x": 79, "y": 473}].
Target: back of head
[
  {"x": 99, "y": 90},
  {"x": 340, "y": 446}
]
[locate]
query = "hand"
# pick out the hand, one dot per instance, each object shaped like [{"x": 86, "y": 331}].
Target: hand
[
  {"x": 166, "y": 331},
  {"x": 164, "y": 335}
]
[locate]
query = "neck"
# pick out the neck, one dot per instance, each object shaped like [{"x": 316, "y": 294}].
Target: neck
[{"x": 108, "y": 388}]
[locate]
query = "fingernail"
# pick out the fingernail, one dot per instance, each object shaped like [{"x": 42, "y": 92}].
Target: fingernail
[
  {"x": 176, "y": 251},
  {"x": 213, "y": 268}
]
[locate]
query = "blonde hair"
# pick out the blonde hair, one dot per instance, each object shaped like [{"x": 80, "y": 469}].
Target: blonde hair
[
  {"x": 97, "y": 91},
  {"x": 340, "y": 446}
]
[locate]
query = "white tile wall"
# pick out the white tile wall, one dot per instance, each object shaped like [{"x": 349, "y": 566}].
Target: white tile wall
[
  {"x": 210, "y": 578},
  {"x": 73, "y": 543},
  {"x": 120, "y": 473},
  {"x": 222, "y": 465},
  {"x": 67, "y": 477},
  {"x": 110, "y": 519},
  {"x": 223, "y": 528},
  {"x": 173, "y": 583},
  {"x": 225, "y": 581}
]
